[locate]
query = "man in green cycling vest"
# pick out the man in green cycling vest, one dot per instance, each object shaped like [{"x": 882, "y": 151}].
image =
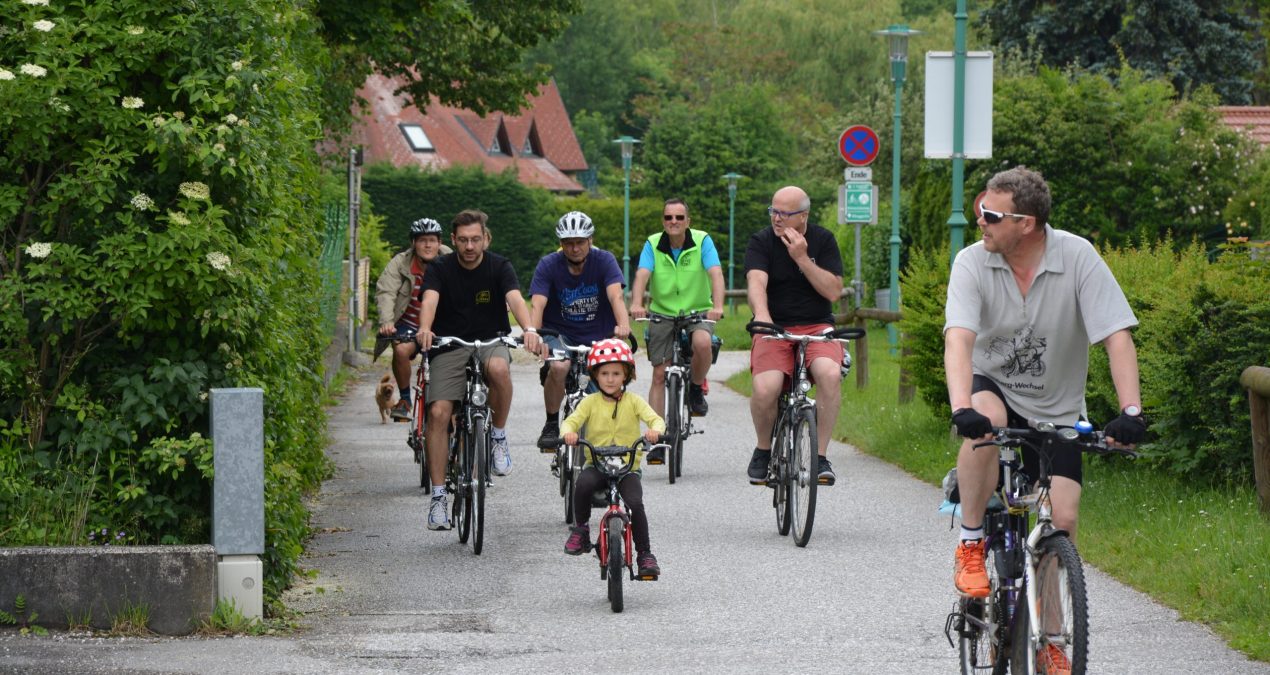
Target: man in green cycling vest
[{"x": 681, "y": 270}]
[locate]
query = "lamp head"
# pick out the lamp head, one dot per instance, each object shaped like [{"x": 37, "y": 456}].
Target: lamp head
[{"x": 897, "y": 36}]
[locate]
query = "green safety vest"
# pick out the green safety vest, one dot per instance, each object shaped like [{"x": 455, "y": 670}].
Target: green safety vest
[{"x": 682, "y": 285}]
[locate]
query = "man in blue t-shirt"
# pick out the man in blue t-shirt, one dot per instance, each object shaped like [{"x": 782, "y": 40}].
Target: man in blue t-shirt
[{"x": 576, "y": 291}]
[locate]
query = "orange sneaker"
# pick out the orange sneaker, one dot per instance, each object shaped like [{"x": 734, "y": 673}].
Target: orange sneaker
[
  {"x": 969, "y": 576},
  {"x": 1052, "y": 661}
]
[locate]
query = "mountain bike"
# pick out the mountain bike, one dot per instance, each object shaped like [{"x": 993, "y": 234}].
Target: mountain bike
[
  {"x": 614, "y": 546},
  {"x": 795, "y": 464},
  {"x": 678, "y": 376},
  {"x": 469, "y": 464},
  {"x": 1036, "y": 611}
]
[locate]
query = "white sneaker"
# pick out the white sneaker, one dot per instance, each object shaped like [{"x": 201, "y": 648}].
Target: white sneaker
[
  {"x": 502, "y": 457},
  {"x": 439, "y": 514}
]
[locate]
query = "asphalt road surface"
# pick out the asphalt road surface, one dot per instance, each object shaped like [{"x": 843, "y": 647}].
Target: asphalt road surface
[{"x": 868, "y": 595}]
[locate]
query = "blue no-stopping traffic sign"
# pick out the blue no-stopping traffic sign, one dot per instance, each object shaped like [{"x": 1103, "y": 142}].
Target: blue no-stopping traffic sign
[{"x": 859, "y": 145}]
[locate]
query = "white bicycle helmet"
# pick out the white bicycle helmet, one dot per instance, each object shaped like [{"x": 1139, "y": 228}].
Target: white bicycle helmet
[
  {"x": 574, "y": 225},
  {"x": 424, "y": 226}
]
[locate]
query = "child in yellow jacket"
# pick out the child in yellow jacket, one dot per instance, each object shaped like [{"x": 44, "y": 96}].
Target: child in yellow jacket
[{"x": 611, "y": 417}]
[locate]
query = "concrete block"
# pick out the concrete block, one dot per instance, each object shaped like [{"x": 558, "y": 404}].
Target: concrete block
[
  {"x": 176, "y": 583},
  {"x": 238, "y": 491}
]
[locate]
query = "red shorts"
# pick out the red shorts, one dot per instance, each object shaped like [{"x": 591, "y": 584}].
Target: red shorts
[{"x": 768, "y": 355}]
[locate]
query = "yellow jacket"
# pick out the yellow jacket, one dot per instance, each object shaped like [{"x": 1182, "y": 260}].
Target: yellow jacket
[{"x": 612, "y": 423}]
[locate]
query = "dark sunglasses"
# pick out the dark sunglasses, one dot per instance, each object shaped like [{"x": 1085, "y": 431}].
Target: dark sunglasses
[
  {"x": 677, "y": 216},
  {"x": 993, "y": 217}
]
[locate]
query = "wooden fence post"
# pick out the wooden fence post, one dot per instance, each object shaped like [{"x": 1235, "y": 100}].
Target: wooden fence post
[
  {"x": 907, "y": 388},
  {"x": 1257, "y": 380},
  {"x": 861, "y": 356}
]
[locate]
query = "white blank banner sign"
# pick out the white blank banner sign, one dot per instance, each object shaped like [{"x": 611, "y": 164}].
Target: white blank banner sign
[{"x": 977, "y": 141}]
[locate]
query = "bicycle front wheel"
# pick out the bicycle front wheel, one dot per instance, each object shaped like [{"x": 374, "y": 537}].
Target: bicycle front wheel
[
  {"x": 462, "y": 486},
  {"x": 804, "y": 465},
  {"x": 780, "y": 496},
  {"x": 567, "y": 478},
  {"x": 614, "y": 534},
  {"x": 480, "y": 469},
  {"x": 674, "y": 412},
  {"x": 1062, "y": 639}
]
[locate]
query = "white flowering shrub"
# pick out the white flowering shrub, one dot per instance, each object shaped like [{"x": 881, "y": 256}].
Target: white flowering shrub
[{"x": 158, "y": 240}]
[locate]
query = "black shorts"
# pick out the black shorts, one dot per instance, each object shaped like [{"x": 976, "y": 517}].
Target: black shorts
[{"x": 1066, "y": 461}]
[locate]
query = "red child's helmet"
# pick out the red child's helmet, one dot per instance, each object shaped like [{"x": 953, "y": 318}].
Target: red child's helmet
[{"x": 611, "y": 350}]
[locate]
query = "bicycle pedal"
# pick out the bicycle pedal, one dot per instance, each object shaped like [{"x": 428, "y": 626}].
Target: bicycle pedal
[
  {"x": 646, "y": 577},
  {"x": 547, "y": 451},
  {"x": 824, "y": 481},
  {"x": 655, "y": 462},
  {"x": 400, "y": 420}
]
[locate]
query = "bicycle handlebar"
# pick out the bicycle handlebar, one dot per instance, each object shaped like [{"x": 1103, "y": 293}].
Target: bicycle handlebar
[
  {"x": 691, "y": 317},
  {"x": 447, "y": 340},
  {"x": 775, "y": 332},
  {"x": 564, "y": 353},
  {"x": 1090, "y": 441}
]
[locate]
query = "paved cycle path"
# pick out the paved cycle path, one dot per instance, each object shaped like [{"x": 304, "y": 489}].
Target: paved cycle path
[{"x": 868, "y": 595}]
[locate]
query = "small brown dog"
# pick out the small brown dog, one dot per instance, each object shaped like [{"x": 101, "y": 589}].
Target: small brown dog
[{"x": 385, "y": 392}]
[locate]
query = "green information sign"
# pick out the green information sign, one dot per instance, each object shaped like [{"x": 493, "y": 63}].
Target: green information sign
[{"x": 860, "y": 206}]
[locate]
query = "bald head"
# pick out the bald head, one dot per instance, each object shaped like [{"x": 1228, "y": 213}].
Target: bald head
[
  {"x": 793, "y": 198},
  {"x": 790, "y": 207}
]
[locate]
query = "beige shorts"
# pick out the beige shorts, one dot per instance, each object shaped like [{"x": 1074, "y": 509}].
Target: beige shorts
[
  {"x": 447, "y": 373},
  {"x": 660, "y": 339}
]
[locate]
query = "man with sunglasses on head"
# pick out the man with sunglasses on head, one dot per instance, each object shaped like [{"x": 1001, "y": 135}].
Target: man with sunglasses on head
[
  {"x": 1024, "y": 306},
  {"x": 680, "y": 267},
  {"x": 577, "y": 292},
  {"x": 798, "y": 264}
]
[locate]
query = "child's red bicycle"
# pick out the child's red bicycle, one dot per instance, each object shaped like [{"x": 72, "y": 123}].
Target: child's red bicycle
[{"x": 615, "y": 546}]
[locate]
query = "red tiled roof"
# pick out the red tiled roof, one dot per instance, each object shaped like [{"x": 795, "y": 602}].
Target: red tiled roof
[
  {"x": 1251, "y": 120},
  {"x": 461, "y": 137}
]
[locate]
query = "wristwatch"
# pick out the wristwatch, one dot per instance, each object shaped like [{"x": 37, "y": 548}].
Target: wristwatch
[{"x": 1132, "y": 411}]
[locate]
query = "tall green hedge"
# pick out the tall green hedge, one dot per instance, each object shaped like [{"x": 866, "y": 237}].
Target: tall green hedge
[
  {"x": 517, "y": 214},
  {"x": 1200, "y": 324}
]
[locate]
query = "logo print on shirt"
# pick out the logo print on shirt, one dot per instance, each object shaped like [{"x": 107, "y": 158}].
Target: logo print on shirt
[
  {"x": 1023, "y": 354},
  {"x": 580, "y": 304},
  {"x": 482, "y": 298}
]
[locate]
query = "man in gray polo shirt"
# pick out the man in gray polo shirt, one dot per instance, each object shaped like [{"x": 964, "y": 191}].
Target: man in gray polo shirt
[{"x": 1024, "y": 305}]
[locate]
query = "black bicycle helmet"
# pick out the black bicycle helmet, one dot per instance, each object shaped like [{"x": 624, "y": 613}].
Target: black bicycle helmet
[{"x": 424, "y": 226}]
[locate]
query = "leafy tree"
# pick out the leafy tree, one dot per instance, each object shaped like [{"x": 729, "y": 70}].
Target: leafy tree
[
  {"x": 593, "y": 60},
  {"x": 688, "y": 149},
  {"x": 1126, "y": 160},
  {"x": 1190, "y": 42},
  {"x": 466, "y": 53}
]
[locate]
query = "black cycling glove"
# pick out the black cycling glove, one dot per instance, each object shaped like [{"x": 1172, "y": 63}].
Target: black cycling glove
[
  {"x": 971, "y": 423},
  {"x": 1126, "y": 429}
]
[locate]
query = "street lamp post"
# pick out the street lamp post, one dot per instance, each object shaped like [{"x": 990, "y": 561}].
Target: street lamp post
[
  {"x": 957, "y": 219},
  {"x": 731, "y": 177},
  {"x": 628, "y": 149},
  {"x": 897, "y": 35}
]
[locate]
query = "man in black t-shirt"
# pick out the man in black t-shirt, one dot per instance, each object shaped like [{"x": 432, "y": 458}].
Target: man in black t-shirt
[
  {"x": 466, "y": 295},
  {"x": 799, "y": 263}
]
